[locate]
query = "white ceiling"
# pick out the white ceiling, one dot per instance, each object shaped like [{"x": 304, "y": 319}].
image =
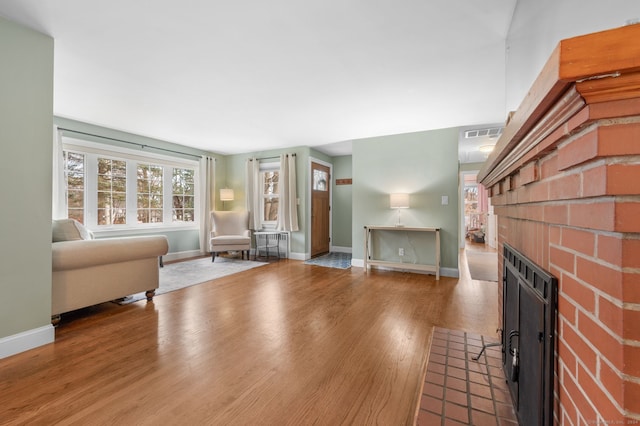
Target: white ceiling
[{"x": 242, "y": 76}]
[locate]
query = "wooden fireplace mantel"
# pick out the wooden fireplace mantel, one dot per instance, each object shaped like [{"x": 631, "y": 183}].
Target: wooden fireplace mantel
[{"x": 584, "y": 70}]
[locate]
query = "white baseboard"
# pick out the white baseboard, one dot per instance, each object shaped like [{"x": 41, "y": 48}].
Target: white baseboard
[
  {"x": 445, "y": 272},
  {"x": 182, "y": 255},
  {"x": 339, "y": 249},
  {"x": 26, "y": 340},
  {"x": 299, "y": 256},
  {"x": 450, "y": 272}
]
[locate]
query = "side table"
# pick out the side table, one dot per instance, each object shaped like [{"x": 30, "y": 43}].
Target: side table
[{"x": 267, "y": 240}]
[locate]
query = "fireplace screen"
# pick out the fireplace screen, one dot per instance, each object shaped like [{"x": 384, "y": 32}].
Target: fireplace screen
[{"x": 529, "y": 315}]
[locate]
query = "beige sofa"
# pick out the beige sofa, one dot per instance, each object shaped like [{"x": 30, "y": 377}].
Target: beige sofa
[{"x": 87, "y": 271}]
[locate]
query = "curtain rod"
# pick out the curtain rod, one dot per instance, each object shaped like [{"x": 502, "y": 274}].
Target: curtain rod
[
  {"x": 271, "y": 158},
  {"x": 141, "y": 145}
]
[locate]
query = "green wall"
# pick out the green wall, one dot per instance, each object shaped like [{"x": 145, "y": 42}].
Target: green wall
[
  {"x": 26, "y": 123},
  {"x": 342, "y": 208},
  {"x": 423, "y": 164}
]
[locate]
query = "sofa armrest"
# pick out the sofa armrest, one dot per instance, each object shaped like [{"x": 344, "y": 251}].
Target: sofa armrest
[{"x": 86, "y": 253}]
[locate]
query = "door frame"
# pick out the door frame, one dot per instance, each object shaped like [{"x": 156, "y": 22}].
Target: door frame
[{"x": 310, "y": 192}]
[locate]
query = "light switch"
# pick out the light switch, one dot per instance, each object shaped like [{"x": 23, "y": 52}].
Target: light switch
[{"x": 445, "y": 200}]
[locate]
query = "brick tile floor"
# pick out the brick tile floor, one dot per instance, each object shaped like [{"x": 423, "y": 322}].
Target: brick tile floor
[{"x": 460, "y": 391}]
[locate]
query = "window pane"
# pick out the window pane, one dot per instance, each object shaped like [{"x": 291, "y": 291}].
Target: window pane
[
  {"x": 104, "y": 217},
  {"x": 120, "y": 184},
  {"x": 75, "y": 199},
  {"x": 271, "y": 182},
  {"x": 77, "y": 214},
  {"x": 156, "y": 216},
  {"x": 119, "y": 168},
  {"x": 143, "y": 201},
  {"x": 320, "y": 179},
  {"x": 104, "y": 166},
  {"x": 155, "y": 186},
  {"x": 271, "y": 209},
  {"x": 143, "y": 216},
  {"x": 104, "y": 183},
  {"x": 155, "y": 201},
  {"x": 75, "y": 182}
]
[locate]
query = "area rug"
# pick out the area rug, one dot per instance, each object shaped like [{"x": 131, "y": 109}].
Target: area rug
[
  {"x": 483, "y": 266},
  {"x": 332, "y": 260},
  {"x": 174, "y": 276}
]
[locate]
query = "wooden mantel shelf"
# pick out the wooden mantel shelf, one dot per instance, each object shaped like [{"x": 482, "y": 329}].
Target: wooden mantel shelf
[{"x": 583, "y": 70}]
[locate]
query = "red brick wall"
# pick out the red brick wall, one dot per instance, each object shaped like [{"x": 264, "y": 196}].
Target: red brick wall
[{"x": 574, "y": 209}]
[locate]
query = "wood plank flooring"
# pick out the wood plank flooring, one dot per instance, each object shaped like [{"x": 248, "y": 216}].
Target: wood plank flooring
[{"x": 286, "y": 343}]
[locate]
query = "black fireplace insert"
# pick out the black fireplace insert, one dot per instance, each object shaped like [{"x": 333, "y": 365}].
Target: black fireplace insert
[{"x": 528, "y": 337}]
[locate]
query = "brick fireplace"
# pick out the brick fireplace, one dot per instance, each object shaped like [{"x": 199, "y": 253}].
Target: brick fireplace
[{"x": 564, "y": 180}]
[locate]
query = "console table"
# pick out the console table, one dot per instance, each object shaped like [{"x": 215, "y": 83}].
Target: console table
[{"x": 368, "y": 250}]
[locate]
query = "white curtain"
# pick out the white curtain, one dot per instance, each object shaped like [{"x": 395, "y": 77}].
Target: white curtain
[
  {"x": 288, "y": 205},
  {"x": 59, "y": 191},
  {"x": 207, "y": 200},
  {"x": 253, "y": 192}
]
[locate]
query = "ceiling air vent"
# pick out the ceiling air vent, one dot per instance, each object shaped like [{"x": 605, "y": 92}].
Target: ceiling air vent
[{"x": 491, "y": 132}]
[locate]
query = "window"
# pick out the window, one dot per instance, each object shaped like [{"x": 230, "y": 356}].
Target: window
[
  {"x": 109, "y": 190},
  {"x": 183, "y": 195},
  {"x": 112, "y": 191},
  {"x": 150, "y": 205},
  {"x": 269, "y": 193},
  {"x": 271, "y": 196},
  {"x": 320, "y": 178}
]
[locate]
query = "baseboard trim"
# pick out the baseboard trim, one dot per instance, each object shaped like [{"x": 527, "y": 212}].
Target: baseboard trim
[
  {"x": 299, "y": 256},
  {"x": 339, "y": 249},
  {"x": 182, "y": 255},
  {"x": 450, "y": 272},
  {"x": 30, "y": 339},
  {"x": 445, "y": 272}
]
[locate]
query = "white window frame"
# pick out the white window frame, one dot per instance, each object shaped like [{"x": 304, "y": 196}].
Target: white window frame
[
  {"x": 273, "y": 166},
  {"x": 92, "y": 151}
]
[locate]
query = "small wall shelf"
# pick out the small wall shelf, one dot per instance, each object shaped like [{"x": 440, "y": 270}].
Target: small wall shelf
[{"x": 368, "y": 250}]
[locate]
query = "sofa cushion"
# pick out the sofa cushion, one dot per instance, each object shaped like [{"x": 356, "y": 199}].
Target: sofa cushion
[
  {"x": 84, "y": 254},
  {"x": 230, "y": 240},
  {"x": 69, "y": 230}
]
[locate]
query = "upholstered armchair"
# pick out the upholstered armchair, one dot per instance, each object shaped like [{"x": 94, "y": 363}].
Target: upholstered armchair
[{"x": 229, "y": 232}]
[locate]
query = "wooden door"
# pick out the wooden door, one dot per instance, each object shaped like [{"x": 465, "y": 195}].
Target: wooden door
[{"x": 320, "y": 209}]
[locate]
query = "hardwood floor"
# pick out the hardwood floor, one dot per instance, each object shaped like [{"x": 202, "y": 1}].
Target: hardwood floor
[{"x": 286, "y": 343}]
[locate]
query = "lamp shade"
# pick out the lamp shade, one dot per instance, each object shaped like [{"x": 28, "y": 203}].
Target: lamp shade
[
  {"x": 399, "y": 201},
  {"x": 226, "y": 194}
]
